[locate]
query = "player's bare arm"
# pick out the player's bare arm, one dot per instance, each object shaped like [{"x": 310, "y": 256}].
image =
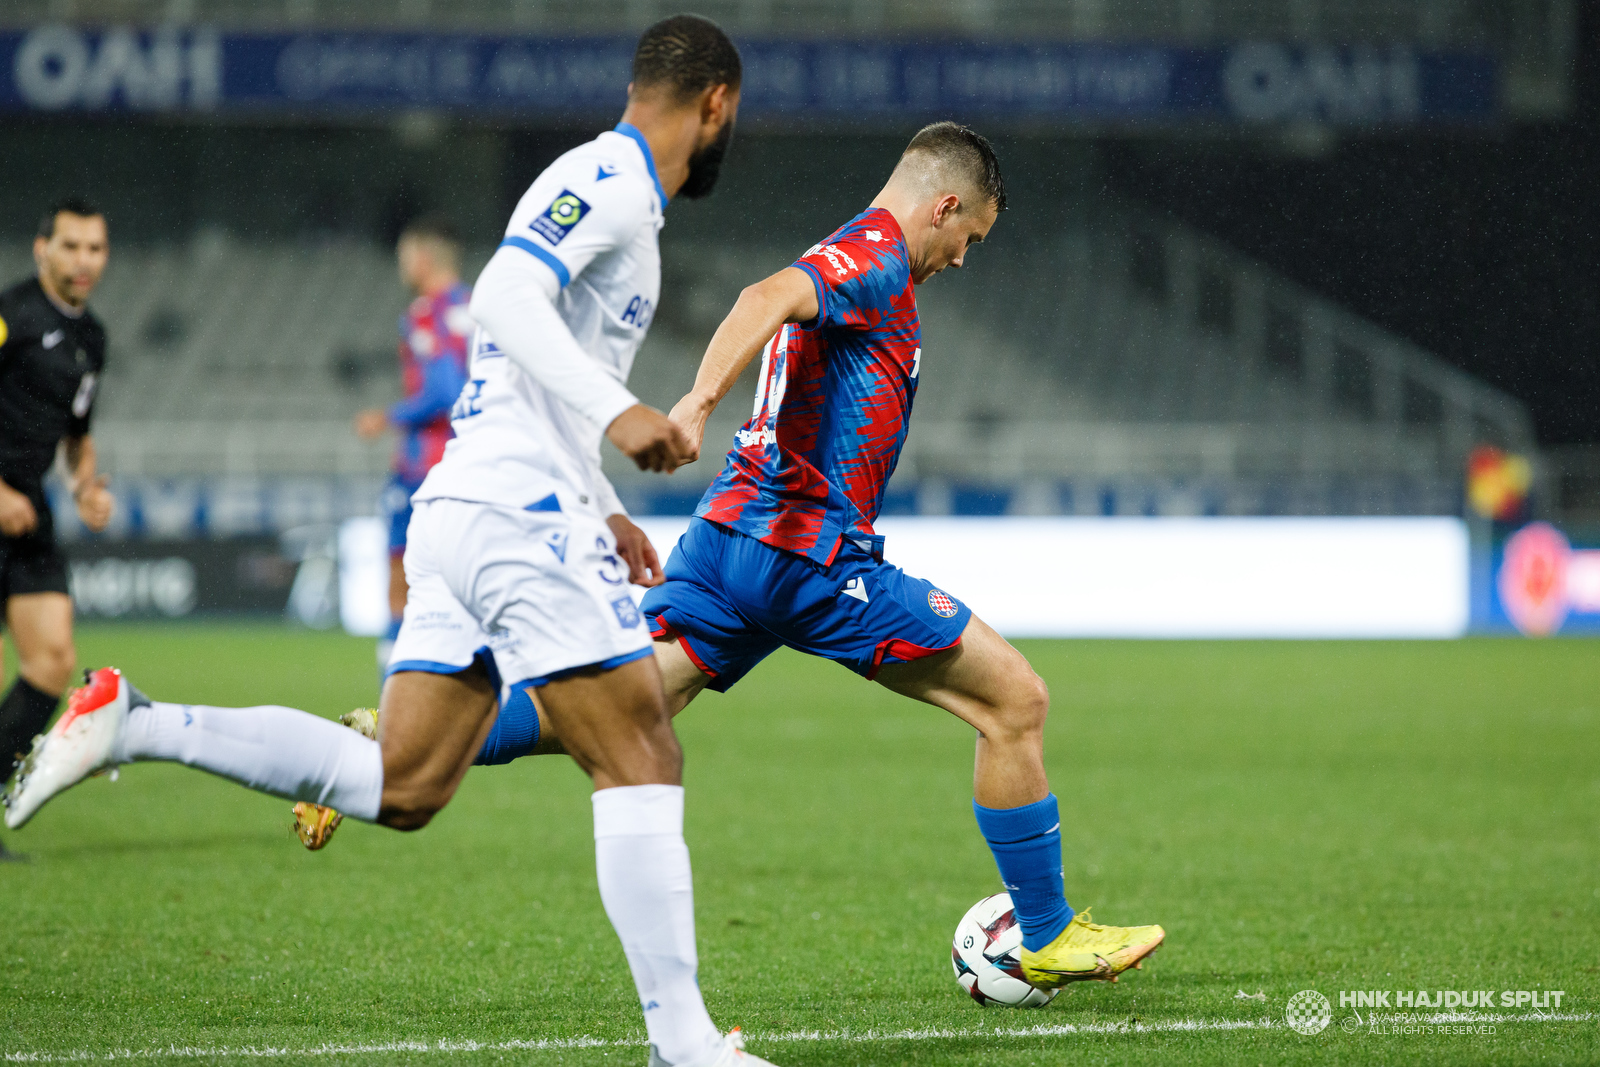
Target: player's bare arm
[
  {"x": 95, "y": 502},
  {"x": 787, "y": 296}
]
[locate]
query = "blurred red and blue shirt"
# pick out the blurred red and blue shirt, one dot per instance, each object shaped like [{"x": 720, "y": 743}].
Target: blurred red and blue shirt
[
  {"x": 831, "y": 410},
  {"x": 434, "y": 335}
]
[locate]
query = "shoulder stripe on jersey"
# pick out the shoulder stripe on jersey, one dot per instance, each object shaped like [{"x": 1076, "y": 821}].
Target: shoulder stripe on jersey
[
  {"x": 627, "y": 129},
  {"x": 544, "y": 257}
]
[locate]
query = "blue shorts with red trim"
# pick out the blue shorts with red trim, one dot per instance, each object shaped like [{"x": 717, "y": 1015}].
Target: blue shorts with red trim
[{"x": 732, "y": 600}]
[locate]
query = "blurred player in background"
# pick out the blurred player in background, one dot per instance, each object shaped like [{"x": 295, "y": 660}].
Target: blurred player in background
[
  {"x": 433, "y": 367},
  {"x": 52, "y": 353}
]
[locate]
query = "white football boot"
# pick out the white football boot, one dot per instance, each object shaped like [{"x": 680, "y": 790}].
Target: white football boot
[
  {"x": 81, "y": 742},
  {"x": 732, "y": 1054}
]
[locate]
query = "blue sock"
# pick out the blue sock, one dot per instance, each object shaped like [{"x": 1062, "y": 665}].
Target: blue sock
[
  {"x": 516, "y": 731},
  {"x": 1026, "y": 843}
]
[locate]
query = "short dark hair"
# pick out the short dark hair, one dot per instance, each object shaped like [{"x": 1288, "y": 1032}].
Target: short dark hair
[
  {"x": 71, "y": 205},
  {"x": 685, "y": 54},
  {"x": 969, "y": 150},
  {"x": 435, "y": 227}
]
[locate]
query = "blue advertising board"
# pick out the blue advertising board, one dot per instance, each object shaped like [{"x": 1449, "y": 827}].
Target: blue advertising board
[
  {"x": 197, "y": 69},
  {"x": 1537, "y": 582}
]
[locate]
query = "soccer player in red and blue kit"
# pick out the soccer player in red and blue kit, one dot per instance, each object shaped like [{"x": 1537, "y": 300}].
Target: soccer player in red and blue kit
[
  {"x": 782, "y": 549},
  {"x": 434, "y": 332}
]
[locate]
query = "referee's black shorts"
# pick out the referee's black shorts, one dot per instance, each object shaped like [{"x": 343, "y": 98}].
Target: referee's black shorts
[{"x": 32, "y": 563}]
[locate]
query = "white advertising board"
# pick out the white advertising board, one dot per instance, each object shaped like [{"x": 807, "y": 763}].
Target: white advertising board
[{"x": 1168, "y": 577}]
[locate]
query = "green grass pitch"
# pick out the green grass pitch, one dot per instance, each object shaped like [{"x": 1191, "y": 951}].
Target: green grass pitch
[{"x": 1329, "y": 816}]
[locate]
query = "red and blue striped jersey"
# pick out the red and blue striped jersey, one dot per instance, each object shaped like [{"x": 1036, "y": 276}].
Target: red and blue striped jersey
[
  {"x": 811, "y": 465},
  {"x": 434, "y": 332}
]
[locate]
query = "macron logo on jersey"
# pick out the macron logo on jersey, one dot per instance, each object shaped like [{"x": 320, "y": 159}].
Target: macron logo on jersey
[{"x": 557, "y": 220}]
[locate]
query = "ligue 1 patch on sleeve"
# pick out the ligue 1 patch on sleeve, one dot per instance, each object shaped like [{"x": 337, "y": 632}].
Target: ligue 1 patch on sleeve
[
  {"x": 557, "y": 220},
  {"x": 941, "y": 604}
]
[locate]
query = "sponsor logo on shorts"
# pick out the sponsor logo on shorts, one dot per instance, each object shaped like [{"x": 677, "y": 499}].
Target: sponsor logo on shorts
[
  {"x": 557, "y": 220},
  {"x": 941, "y": 604},
  {"x": 627, "y": 612}
]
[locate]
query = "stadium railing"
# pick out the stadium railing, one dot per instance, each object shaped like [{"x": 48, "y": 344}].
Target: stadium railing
[{"x": 1112, "y": 364}]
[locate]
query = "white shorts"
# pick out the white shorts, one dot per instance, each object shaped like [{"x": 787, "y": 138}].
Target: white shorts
[{"x": 534, "y": 594}]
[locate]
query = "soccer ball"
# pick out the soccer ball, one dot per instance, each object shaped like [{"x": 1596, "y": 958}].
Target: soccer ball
[{"x": 987, "y": 952}]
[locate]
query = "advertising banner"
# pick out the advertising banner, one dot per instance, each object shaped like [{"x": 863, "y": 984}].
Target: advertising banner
[
  {"x": 1539, "y": 583},
  {"x": 175, "y": 579},
  {"x": 1221, "y": 577},
  {"x": 1027, "y": 577},
  {"x": 198, "y": 69}
]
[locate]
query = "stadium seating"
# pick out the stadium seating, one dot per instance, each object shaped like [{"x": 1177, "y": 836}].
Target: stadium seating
[{"x": 1107, "y": 363}]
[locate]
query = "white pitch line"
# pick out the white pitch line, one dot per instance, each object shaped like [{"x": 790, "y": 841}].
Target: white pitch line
[{"x": 187, "y": 1052}]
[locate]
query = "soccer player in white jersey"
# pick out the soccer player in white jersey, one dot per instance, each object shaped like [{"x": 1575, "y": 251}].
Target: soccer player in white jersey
[{"x": 515, "y": 575}]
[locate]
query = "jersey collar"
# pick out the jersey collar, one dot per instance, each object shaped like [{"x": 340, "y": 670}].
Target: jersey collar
[
  {"x": 68, "y": 311},
  {"x": 884, "y": 219},
  {"x": 628, "y": 129}
]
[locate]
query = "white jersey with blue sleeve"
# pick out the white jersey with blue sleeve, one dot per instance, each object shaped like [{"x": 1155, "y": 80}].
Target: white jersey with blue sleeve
[{"x": 562, "y": 308}]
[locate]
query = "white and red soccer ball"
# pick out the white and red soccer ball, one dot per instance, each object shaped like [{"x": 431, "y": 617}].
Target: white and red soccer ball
[{"x": 986, "y": 954}]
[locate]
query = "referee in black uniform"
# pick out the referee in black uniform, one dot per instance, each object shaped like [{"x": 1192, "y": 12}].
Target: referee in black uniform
[{"x": 52, "y": 353}]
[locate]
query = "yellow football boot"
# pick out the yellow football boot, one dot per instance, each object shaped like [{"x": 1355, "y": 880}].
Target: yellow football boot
[
  {"x": 363, "y": 721},
  {"x": 314, "y": 824},
  {"x": 1089, "y": 952}
]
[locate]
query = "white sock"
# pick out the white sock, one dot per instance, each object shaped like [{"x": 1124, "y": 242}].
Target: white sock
[
  {"x": 648, "y": 892},
  {"x": 275, "y": 750}
]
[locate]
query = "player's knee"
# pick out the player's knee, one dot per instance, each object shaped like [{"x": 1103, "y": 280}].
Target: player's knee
[
  {"x": 1026, "y": 705},
  {"x": 1035, "y": 700},
  {"x": 49, "y": 666}
]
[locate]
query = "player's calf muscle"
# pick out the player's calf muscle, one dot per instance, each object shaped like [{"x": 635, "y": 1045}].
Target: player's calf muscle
[
  {"x": 41, "y": 630},
  {"x": 431, "y": 725}
]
